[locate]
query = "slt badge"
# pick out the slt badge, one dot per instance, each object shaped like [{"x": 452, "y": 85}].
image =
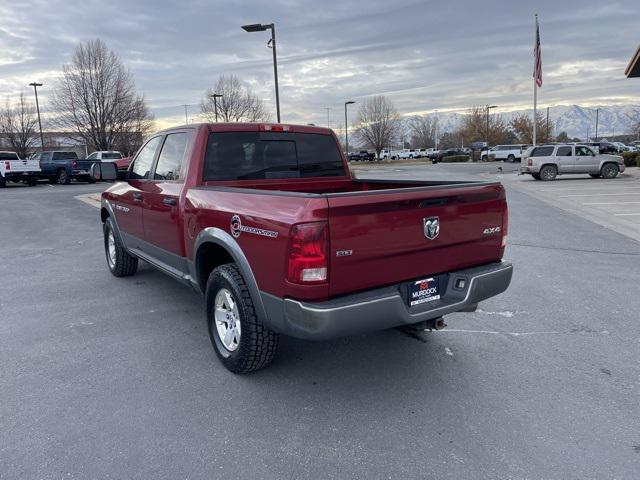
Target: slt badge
[{"x": 431, "y": 227}]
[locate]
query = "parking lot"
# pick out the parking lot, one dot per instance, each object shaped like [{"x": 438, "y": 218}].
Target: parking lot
[{"x": 115, "y": 378}]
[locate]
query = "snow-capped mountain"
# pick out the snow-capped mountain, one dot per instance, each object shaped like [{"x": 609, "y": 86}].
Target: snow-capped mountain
[{"x": 577, "y": 121}]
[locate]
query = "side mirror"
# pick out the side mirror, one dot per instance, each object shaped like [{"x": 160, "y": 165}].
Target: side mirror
[{"x": 103, "y": 171}]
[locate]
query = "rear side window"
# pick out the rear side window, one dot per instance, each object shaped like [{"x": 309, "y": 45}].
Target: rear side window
[
  {"x": 542, "y": 152},
  {"x": 564, "y": 152},
  {"x": 170, "y": 160},
  {"x": 142, "y": 163},
  {"x": 271, "y": 155}
]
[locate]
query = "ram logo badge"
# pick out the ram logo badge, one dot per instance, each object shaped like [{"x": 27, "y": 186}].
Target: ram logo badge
[{"x": 431, "y": 227}]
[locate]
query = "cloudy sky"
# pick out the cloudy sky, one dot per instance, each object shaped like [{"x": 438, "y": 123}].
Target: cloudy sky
[{"x": 444, "y": 55}]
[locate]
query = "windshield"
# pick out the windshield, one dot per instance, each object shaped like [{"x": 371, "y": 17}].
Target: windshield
[{"x": 269, "y": 155}]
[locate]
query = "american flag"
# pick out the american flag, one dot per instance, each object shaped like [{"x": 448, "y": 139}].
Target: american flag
[{"x": 537, "y": 69}]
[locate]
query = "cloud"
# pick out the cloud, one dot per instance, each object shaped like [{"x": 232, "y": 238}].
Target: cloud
[{"x": 424, "y": 55}]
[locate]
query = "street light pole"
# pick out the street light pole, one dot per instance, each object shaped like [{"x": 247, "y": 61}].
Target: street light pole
[
  {"x": 35, "y": 86},
  {"x": 186, "y": 116},
  {"x": 257, "y": 27},
  {"x": 597, "y": 115},
  {"x": 346, "y": 126},
  {"x": 489, "y": 107},
  {"x": 215, "y": 97}
]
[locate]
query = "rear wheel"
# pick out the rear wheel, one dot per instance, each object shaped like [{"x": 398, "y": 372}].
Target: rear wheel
[
  {"x": 511, "y": 158},
  {"x": 609, "y": 170},
  {"x": 241, "y": 342},
  {"x": 62, "y": 178},
  {"x": 548, "y": 173},
  {"x": 3, "y": 182},
  {"x": 120, "y": 263}
]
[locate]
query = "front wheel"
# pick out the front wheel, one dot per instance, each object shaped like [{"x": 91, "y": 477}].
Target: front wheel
[
  {"x": 241, "y": 342},
  {"x": 120, "y": 263},
  {"x": 609, "y": 170},
  {"x": 511, "y": 158}
]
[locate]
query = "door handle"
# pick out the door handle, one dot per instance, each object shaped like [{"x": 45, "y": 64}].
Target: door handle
[
  {"x": 137, "y": 196},
  {"x": 169, "y": 201}
]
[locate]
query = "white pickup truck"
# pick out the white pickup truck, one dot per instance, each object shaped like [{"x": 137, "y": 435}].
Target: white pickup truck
[
  {"x": 13, "y": 169},
  {"x": 106, "y": 156}
]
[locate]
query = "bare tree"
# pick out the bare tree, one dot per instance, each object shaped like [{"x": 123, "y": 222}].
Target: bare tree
[
  {"x": 377, "y": 124},
  {"x": 96, "y": 97},
  {"x": 423, "y": 131},
  {"x": 474, "y": 127},
  {"x": 237, "y": 104},
  {"x": 18, "y": 125}
]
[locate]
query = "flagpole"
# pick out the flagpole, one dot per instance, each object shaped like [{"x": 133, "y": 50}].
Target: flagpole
[{"x": 535, "y": 86}]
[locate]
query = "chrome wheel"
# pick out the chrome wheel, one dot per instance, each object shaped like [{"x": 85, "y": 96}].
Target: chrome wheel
[
  {"x": 111, "y": 249},
  {"x": 227, "y": 319}
]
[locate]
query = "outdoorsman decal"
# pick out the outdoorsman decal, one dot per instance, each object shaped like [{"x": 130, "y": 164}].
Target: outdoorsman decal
[{"x": 237, "y": 228}]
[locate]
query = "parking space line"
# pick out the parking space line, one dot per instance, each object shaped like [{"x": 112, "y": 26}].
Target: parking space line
[
  {"x": 612, "y": 203},
  {"x": 601, "y": 195}
]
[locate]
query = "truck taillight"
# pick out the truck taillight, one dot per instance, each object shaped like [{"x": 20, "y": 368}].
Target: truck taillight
[
  {"x": 505, "y": 228},
  {"x": 7, "y": 165},
  {"x": 308, "y": 253},
  {"x": 269, "y": 127}
]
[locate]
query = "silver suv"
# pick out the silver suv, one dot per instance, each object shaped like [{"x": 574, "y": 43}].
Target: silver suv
[{"x": 545, "y": 162}]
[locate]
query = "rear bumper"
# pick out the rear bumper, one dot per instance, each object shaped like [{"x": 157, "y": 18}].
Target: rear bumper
[
  {"x": 382, "y": 308},
  {"x": 20, "y": 175}
]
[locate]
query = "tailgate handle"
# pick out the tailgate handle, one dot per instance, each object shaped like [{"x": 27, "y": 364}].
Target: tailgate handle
[
  {"x": 433, "y": 202},
  {"x": 137, "y": 196}
]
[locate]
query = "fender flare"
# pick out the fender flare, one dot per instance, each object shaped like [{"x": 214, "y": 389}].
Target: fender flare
[
  {"x": 112, "y": 215},
  {"x": 220, "y": 237}
]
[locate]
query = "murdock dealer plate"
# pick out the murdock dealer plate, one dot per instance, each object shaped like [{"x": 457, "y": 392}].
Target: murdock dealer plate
[{"x": 424, "y": 291}]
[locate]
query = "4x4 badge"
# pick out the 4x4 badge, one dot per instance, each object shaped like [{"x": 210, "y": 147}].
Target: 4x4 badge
[{"x": 431, "y": 227}]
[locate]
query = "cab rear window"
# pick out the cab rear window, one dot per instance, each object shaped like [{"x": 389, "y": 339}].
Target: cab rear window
[
  {"x": 8, "y": 156},
  {"x": 271, "y": 155}
]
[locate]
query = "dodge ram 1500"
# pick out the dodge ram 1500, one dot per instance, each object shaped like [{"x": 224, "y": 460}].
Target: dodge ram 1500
[{"x": 268, "y": 223}]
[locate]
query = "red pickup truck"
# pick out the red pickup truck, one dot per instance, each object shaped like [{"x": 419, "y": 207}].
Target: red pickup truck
[{"x": 268, "y": 223}]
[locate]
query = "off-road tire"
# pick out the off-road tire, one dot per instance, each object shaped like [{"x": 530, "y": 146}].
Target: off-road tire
[
  {"x": 548, "y": 173},
  {"x": 257, "y": 346},
  {"x": 124, "y": 264},
  {"x": 609, "y": 170}
]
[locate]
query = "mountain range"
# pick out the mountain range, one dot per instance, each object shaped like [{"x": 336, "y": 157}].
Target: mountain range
[{"x": 577, "y": 121}]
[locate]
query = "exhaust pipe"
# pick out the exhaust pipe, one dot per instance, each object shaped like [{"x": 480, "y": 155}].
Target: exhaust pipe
[{"x": 430, "y": 325}]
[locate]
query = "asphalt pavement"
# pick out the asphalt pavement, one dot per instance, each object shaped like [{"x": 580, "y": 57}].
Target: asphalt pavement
[{"x": 115, "y": 378}]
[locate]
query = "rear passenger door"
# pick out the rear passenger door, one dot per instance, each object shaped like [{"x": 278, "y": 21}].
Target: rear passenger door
[
  {"x": 565, "y": 159},
  {"x": 163, "y": 225}
]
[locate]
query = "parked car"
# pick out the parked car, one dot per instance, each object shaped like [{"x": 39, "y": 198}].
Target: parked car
[
  {"x": 426, "y": 152},
  {"x": 546, "y": 162},
  {"x": 449, "y": 152},
  {"x": 621, "y": 147},
  {"x": 603, "y": 147},
  {"x": 14, "y": 169},
  {"x": 388, "y": 154},
  {"x": 61, "y": 166},
  {"x": 362, "y": 155},
  {"x": 486, "y": 154},
  {"x": 268, "y": 223},
  {"x": 106, "y": 155},
  {"x": 507, "y": 153}
]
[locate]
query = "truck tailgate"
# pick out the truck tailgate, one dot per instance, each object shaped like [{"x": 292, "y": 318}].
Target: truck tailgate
[
  {"x": 378, "y": 237},
  {"x": 23, "y": 166}
]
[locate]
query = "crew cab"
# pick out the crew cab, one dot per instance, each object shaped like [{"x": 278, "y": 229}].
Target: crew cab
[
  {"x": 268, "y": 223},
  {"x": 61, "y": 166},
  {"x": 14, "y": 169}
]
